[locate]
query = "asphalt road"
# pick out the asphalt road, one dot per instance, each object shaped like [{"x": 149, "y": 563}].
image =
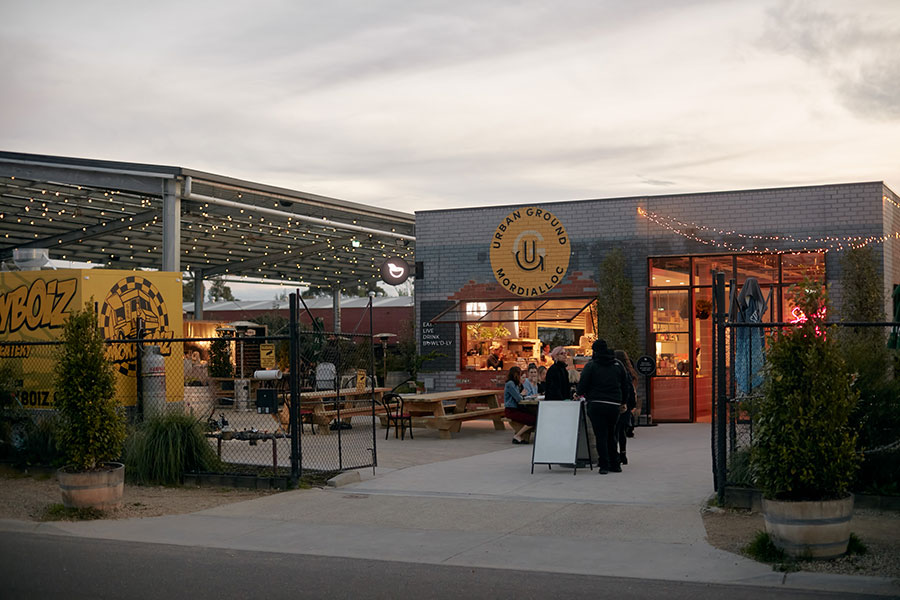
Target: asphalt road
[{"x": 50, "y": 566}]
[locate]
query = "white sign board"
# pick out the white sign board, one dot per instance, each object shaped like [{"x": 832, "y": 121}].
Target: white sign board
[{"x": 558, "y": 433}]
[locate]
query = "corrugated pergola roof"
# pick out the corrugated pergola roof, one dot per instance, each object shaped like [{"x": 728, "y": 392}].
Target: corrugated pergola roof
[{"x": 112, "y": 213}]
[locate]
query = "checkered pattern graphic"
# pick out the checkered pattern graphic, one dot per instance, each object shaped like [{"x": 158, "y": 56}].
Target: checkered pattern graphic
[{"x": 128, "y": 299}]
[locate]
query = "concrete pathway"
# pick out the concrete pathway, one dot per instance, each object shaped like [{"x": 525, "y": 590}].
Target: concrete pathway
[{"x": 488, "y": 510}]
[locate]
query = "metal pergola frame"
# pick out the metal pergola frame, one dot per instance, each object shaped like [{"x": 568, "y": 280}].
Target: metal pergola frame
[{"x": 142, "y": 216}]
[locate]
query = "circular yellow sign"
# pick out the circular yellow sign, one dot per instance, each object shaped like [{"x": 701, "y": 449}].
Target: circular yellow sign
[{"x": 530, "y": 251}]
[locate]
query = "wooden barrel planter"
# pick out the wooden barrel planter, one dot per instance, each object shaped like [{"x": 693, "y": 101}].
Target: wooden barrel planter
[
  {"x": 100, "y": 489},
  {"x": 810, "y": 529}
]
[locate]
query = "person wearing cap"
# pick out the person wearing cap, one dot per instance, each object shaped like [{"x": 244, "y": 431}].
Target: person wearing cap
[
  {"x": 602, "y": 383},
  {"x": 556, "y": 384},
  {"x": 495, "y": 358}
]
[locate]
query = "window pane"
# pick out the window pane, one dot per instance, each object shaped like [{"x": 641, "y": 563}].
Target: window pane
[
  {"x": 795, "y": 266},
  {"x": 704, "y": 265},
  {"x": 670, "y": 271},
  {"x": 762, "y": 266},
  {"x": 673, "y": 355},
  {"x": 669, "y": 310}
]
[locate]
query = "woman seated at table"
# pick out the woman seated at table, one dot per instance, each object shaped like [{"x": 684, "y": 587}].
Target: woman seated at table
[
  {"x": 530, "y": 384},
  {"x": 514, "y": 411}
]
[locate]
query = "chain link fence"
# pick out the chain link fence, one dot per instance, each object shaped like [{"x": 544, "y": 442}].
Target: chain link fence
[
  {"x": 267, "y": 405},
  {"x": 740, "y": 357}
]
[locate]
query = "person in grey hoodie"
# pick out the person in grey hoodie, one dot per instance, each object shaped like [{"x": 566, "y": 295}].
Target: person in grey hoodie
[{"x": 602, "y": 383}]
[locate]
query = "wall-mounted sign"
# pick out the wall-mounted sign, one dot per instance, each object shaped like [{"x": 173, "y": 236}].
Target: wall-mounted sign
[
  {"x": 438, "y": 337},
  {"x": 267, "y": 356},
  {"x": 530, "y": 251},
  {"x": 646, "y": 365},
  {"x": 35, "y": 304},
  {"x": 394, "y": 271}
]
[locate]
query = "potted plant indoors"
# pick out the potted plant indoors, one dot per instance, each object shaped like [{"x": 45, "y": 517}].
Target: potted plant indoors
[
  {"x": 92, "y": 428},
  {"x": 803, "y": 455}
]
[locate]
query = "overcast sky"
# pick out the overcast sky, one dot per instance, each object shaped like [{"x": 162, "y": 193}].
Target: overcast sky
[{"x": 415, "y": 104}]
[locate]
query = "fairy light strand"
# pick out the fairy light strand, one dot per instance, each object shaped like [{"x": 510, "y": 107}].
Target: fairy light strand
[{"x": 808, "y": 243}]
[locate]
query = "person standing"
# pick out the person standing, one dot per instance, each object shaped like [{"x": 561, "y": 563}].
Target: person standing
[
  {"x": 601, "y": 384},
  {"x": 626, "y": 419},
  {"x": 495, "y": 358},
  {"x": 556, "y": 385},
  {"x": 513, "y": 410}
]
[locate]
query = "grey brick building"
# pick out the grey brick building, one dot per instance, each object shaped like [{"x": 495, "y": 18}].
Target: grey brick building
[{"x": 671, "y": 244}]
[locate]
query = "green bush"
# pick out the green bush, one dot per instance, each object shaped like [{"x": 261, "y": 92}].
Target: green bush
[
  {"x": 166, "y": 446},
  {"x": 763, "y": 549},
  {"x": 40, "y": 444},
  {"x": 739, "y": 471},
  {"x": 92, "y": 428},
  {"x": 804, "y": 447},
  {"x": 220, "y": 358}
]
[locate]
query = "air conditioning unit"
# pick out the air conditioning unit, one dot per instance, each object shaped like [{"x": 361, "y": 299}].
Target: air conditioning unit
[{"x": 31, "y": 259}]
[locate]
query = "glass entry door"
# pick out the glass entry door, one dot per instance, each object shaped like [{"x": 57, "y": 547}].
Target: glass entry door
[{"x": 670, "y": 314}]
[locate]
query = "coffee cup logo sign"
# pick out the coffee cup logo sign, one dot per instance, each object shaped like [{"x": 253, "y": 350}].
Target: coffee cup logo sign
[
  {"x": 394, "y": 271},
  {"x": 530, "y": 252}
]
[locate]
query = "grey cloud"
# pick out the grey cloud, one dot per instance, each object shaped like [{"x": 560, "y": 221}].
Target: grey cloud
[{"x": 857, "y": 52}]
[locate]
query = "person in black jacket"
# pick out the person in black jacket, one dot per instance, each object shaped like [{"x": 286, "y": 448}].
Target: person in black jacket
[
  {"x": 556, "y": 385},
  {"x": 602, "y": 383}
]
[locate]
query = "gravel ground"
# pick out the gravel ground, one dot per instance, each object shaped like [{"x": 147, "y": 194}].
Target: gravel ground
[
  {"x": 732, "y": 530},
  {"x": 27, "y": 498}
]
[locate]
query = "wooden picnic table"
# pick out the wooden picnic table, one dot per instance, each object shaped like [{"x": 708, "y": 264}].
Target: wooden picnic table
[
  {"x": 428, "y": 409},
  {"x": 324, "y": 406}
]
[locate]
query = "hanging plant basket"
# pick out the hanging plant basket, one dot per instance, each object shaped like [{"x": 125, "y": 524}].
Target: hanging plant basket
[{"x": 702, "y": 309}]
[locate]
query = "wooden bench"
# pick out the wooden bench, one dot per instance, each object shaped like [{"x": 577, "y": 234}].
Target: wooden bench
[
  {"x": 323, "y": 418},
  {"x": 447, "y": 424}
]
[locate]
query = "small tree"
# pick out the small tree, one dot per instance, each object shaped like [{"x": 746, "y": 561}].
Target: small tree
[
  {"x": 93, "y": 426},
  {"x": 804, "y": 447},
  {"x": 219, "y": 291},
  {"x": 865, "y": 350},
  {"x": 615, "y": 307},
  {"x": 220, "y": 358}
]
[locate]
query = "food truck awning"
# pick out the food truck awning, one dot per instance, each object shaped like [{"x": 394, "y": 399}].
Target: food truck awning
[{"x": 556, "y": 309}]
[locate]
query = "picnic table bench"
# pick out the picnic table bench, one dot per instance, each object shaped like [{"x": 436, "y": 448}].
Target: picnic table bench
[
  {"x": 428, "y": 409},
  {"x": 323, "y": 406}
]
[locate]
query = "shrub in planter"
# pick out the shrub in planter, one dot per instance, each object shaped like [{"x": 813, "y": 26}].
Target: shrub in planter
[
  {"x": 804, "y": 448},
  {"x": 165, "y": 447},
  {"x": 92, "y": 424}
]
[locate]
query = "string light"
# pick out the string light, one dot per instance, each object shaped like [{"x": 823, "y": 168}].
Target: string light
[
  {"x": 809, "y": 243},
  {"x": 89, "y": 209}
]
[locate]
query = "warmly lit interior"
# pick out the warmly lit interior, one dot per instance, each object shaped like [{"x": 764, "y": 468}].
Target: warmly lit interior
[
  {"x": 521, "y": 328},
  {"x": 680, "y": 323}
]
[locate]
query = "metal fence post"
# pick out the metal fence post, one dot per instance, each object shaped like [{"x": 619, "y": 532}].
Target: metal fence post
[
  {"x": 374, "y": 380},
  {"x": 293, "y": 352},
  {"x": 139, "y": 367},
  {"x": 721, "y": 471}
]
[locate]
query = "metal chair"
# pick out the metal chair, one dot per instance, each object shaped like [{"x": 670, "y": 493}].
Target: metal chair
[
  {"x": 325, "y": 376},
  {"x": 396, "y": 414}
]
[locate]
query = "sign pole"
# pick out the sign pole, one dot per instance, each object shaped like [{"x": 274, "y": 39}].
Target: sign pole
[{"x": 646, "y": 366}]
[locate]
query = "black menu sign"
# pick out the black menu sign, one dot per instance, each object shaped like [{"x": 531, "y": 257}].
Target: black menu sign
[{"x": 438, "y": 337}]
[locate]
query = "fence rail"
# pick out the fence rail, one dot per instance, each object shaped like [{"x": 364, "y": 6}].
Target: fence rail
[
  {"x": 269, "y": 405},
  {"x": 740, "y": 356}
]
